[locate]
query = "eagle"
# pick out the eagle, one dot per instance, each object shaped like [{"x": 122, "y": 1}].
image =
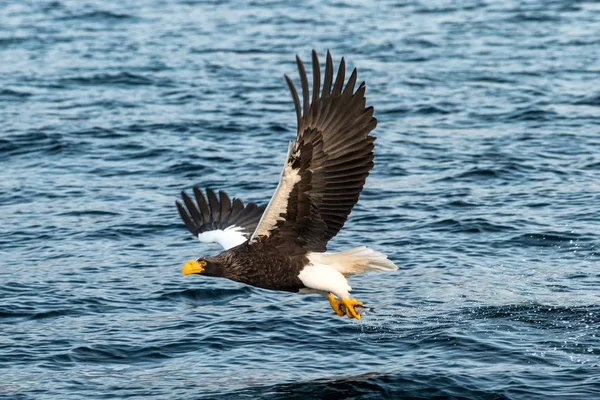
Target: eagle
[{"x": 283, "y": 246}]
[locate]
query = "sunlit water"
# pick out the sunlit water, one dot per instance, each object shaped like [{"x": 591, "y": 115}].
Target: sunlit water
[{"x": 485, "y": 191}]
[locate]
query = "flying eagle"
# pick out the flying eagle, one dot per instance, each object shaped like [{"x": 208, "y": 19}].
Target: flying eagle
[{"x": 283, "y": 246}]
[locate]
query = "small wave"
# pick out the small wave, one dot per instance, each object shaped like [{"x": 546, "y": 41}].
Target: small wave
[
  {"x": 592, "y": 100},
  {"x": 534, "y": 16},
  {"x": 15, "y": 314},
  {"x": 186, "y": 169},
  {"x": 420, "y": 43},
  {"x": 394, "y": 111},
  {"x": 141, "y": 154},
  {"x": 460, "y": 204},
  {"x": 530, "y": 114},
  {"x": 36, "y": 315},
  {"x": 96, "y": 213},
  {"x": 117, "y": 354},
  {"x": 180, "y": 97},
  {"x": 468, "y": 226},
  {"x": 102, "y": 133},
  {"x": 431, "y": 109},
  {"x": 37, "y": 142},
  {"x": 13, "y": 95},
  {"x": 433, "y": 9},
  {"x": 478, "y": 174},
  {"x": 524, "y": 114},
  {"x": 491, "y": 79},
  {"x": 215, "y": 296},
  {"x": 593, "y": 166},
  {"x": 505, "y": 169},
  {"x": 120, "y": 78},
  {"x": 550, "y": 239},
  {"x": 278, "y": 128},
  {"x": 127, "y": 231},
  {"x": 17, "y": 40},
  {"x": 54, "y": 314},
  {"x": 98, "y": 15},
  {"x": 103, "y": 104}
]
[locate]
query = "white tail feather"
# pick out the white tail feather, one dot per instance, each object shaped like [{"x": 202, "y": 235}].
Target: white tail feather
[{"x": 354, "y": 261}]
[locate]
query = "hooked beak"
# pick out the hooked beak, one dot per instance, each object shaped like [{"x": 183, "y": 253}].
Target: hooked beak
[{"x": 192, "y": 267}]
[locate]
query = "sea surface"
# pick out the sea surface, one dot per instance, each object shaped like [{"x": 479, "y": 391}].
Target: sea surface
[{"x": 485, "y": 192}]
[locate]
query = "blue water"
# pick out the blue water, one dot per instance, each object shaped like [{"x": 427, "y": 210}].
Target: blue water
[{"x": 485, "y": 191}]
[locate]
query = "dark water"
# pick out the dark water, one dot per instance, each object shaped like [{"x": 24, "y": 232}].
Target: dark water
[{"x": 486, "y": 193}]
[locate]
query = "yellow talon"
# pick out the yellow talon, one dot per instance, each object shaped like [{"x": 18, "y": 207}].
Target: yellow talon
[
  {"x": 344, "y": 306},
  {"x": 335, "y": 304},
  {"x": 349, "y": 305}
]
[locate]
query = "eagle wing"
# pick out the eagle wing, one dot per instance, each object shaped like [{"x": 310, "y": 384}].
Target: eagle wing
[
  {"x": 326, "y": 167},
  {"x": 219, "y": 219}
]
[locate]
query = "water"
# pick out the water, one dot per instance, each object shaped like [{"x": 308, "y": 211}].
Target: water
[{"x": 485, "y": 192}]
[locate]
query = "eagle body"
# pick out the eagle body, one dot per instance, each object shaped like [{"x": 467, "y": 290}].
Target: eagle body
[
  {"x": 261, "y": 264},
  {"x": 283, "y": 246}
]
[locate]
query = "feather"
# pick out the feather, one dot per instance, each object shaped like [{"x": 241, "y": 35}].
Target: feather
[
  {"x": 327, "y": 166},
  {"x": 219, "y": 220}
]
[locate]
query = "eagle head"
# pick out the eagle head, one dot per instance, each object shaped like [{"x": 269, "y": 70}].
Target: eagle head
[{"x": 202, "y": 266}]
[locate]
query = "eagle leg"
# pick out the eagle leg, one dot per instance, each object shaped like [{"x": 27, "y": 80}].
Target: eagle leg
[
  {"x": 349, "y": 305},
  {"x": 335, "y": 304}
]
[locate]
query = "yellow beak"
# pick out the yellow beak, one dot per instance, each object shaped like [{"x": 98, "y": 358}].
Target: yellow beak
[{"x": 192, "y": 267}]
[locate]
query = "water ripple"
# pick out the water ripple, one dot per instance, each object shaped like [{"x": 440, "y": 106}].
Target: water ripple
[{"x": 484, "y": 192}]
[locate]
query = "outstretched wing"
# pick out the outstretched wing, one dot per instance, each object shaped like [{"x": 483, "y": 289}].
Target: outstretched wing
[
  {"x": 326, "y": 167},
  {"x": 219, "y": 220}
]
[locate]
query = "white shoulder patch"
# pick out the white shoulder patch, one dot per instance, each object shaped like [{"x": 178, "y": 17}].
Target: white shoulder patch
[
  {"x": 229, "y": 237},
  {"x": 278, "y": 203}
]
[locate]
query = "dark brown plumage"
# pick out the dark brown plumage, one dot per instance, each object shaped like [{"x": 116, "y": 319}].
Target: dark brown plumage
[{"x": 262, "y": 264}]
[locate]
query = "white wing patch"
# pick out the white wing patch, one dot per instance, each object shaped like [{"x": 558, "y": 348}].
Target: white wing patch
[
  {"x": 229, "y": 237},
  {"x": 279, "y": 201}
]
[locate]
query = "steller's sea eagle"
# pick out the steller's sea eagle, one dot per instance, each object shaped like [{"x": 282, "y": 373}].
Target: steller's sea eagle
[{"x": 284, "y": 246}]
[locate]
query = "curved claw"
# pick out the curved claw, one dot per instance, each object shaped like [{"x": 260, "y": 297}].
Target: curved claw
[{"x": 349, "y": 305}]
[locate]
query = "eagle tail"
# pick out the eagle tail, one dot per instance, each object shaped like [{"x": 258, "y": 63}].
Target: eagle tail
[{"x": 355, "y": 261}]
